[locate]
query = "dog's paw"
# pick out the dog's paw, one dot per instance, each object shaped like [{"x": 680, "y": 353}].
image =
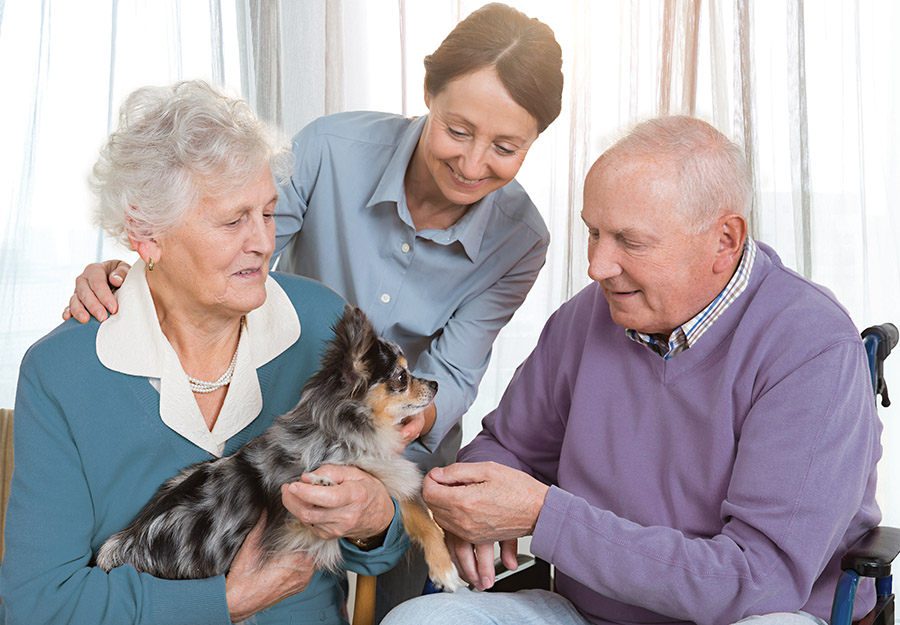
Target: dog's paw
[
  {"x": 320, "y": 480},
  {"x": 447, "y": 580}
]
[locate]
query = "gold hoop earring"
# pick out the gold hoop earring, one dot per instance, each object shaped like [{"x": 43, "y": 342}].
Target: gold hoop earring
[{"x": 150, "y": 264}]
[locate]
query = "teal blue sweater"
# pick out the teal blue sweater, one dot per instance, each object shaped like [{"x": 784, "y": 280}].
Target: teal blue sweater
[{"x": 90, "y": 450}]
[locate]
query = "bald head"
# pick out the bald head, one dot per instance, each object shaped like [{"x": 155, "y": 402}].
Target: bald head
[{"x": 709, "y": 170}]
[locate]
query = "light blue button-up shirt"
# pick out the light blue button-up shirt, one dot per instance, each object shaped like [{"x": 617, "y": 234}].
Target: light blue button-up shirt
[{"x": 442, "y": 295}]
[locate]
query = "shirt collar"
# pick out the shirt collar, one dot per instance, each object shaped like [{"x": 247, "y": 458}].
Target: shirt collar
[
  {"x": 469, "y": 230},
  {"x": 687, "y": 335},
  {"x": 131, "y": 342}
]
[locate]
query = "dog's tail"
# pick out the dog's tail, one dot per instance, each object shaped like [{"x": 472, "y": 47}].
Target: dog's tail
[{"x": 126, "y": 547}]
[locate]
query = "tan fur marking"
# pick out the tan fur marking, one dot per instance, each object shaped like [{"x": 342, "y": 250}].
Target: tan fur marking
[
  {"x": 380, "y": 401},
  {"x": 423, "y": 530}
]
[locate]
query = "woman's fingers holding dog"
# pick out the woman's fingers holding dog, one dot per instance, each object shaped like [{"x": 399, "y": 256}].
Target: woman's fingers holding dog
[
  {"x": 356, "y": 506},
  {"x": 93, "y": 295},
  {"x": 251, "y": 587}
]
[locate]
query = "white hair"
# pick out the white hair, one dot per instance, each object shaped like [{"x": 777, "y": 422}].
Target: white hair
[
  {"x": 175, "y": 145},
  {"x": 712, "y": 170}
]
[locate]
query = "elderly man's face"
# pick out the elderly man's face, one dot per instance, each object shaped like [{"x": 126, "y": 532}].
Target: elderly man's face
[{"x": 655, "y": 272}]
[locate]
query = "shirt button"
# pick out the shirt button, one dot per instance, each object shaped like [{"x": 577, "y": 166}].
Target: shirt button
[
  {"x": 405, "y": 248},
  {"x": 385, "y": 298}
]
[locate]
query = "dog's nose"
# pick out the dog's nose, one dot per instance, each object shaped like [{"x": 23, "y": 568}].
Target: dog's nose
[{"x": 432, "y": 385}]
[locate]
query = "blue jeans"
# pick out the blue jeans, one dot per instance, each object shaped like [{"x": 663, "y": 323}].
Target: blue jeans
[{"x": 526, "y": 607}]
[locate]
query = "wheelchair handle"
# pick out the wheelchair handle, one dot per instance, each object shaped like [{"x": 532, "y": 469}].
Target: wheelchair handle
[
  {"x": 879, "y": 341},
  {"x": 887, "y": 335}
]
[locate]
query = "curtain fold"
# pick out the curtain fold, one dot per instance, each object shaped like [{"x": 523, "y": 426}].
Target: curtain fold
[
  {"x": 260, "y": 40},
  {"x": 217, "y": 39},
  {"x": 799, "y": 136},
  {"x": 861, "y": 133},
  {"x": 579, "y": 152},
  {"x": 745, "y": 115},
  {"x": 334, "y": 57},
  {"x": 679, "y": 57}
]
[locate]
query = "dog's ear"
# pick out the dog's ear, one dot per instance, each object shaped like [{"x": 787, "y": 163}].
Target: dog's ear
[{"x": 354, "y": 337}]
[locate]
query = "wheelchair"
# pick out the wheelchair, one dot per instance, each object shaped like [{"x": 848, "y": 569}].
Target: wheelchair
[{"x": 870, "y": 556}]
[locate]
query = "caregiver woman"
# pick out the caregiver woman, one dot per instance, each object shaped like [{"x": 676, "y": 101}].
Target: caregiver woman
[
  {"x": 420, "y": 222},
  {"x": 207, "y": 348}
]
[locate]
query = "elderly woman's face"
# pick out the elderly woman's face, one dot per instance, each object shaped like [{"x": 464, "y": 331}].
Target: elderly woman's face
[
  {"x": 217, "y": 260},
  {"x": 476, "y": 138}
]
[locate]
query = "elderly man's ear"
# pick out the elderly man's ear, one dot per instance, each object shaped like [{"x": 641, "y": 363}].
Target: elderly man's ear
[{"x": 732, "y": 233}]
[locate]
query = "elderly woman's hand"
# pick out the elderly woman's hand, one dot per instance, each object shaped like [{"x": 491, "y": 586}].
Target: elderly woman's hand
[
  {"x": 251, "y": 587},
  {"x": 93, "y": 291},
  {"x": 357, "y": 506}
]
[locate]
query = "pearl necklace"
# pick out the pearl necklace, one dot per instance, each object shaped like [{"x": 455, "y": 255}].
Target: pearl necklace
[{"x": 199, "y": 386}]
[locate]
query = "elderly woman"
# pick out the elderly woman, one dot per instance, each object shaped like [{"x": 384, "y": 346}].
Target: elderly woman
[
  {"x": 206, "y": 350},
  {"x": 421, "y": 222}
]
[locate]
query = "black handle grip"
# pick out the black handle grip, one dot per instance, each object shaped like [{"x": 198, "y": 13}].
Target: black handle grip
[
  {"x": 892, "y": 333},
  {"x": 886, "y": 335}
]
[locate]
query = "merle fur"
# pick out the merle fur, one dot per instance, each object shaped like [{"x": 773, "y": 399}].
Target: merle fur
[{"x": 194, "y": 525}]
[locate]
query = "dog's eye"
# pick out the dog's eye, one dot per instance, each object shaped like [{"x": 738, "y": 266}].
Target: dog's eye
[{"x": 402, "y": 378}]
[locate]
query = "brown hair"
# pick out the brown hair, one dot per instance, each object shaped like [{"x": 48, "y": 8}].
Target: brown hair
[{"x": 522, "y": 50}]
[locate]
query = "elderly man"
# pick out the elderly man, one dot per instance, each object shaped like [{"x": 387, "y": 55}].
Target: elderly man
[{"x": 694, "y": 436}]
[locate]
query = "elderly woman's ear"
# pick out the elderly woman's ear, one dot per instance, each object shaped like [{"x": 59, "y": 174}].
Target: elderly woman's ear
[{"x": 147, "y": 249}]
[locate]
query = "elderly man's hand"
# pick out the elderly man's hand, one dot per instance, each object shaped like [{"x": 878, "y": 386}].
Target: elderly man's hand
[
  {"x": 475, "y": 562},
  {"x": 484, "y": 501},
  {"x": 479, "y": 504},
  {"x": 356, "y": 506}
]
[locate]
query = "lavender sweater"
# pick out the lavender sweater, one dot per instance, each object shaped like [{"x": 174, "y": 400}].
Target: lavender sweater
[{"x": 722, "y": 483}]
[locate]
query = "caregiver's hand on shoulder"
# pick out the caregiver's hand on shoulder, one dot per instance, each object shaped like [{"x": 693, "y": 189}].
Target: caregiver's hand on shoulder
[{"x": 93, "y": 291}]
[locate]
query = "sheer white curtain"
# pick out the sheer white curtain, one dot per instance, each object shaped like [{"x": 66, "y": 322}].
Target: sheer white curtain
[
  {"x": 65, "y": 67},
  {"x": 810, "y": 89}
]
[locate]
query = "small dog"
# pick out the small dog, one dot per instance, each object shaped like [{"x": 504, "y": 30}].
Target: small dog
[{"x": 347, "y": 415}]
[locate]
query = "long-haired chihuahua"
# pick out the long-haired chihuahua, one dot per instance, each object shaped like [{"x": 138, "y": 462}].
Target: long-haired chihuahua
[{"x": 347, "y": 415}]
